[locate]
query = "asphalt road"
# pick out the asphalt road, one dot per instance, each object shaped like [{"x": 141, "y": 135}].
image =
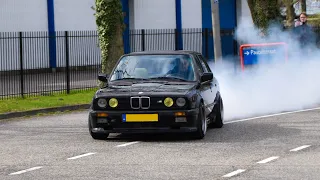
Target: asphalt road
[{"x": 60, "y": 147}]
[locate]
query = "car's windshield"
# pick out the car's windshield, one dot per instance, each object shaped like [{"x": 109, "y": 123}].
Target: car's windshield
[{"x": 155, "y": 66}]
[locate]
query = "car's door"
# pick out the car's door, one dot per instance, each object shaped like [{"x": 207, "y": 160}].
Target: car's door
[
  {"x": 205, "y": 88},
  {"x": 212, "y": 86}
]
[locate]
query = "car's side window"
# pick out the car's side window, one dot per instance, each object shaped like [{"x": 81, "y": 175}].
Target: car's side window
[
  {"x": 204, "y": 63},
  {"x": 199, "y": 64}
]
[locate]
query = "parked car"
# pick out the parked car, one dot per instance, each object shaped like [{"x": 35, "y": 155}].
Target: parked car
[{"x": 162, "y": 91}]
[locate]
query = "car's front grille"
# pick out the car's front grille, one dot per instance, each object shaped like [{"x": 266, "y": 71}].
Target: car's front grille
[
  {"x": 135, "y": 102},
  {"x": 145, "y": 102},
  {"x": 140, "y": 102}
]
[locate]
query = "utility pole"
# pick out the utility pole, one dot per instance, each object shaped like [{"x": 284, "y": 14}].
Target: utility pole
[{"x": 216, "y": 29}]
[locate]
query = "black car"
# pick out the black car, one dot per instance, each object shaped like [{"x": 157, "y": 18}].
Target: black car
[{"x": 150, "y": 92}]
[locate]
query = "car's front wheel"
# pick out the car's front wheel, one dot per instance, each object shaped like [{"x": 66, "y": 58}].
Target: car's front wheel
[
  {"x": 202, "y": 123},
  {"x": 94, "y": 135}
]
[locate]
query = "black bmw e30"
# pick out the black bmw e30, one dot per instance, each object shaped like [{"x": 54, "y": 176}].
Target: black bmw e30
[{"x": 166, "y": 91}]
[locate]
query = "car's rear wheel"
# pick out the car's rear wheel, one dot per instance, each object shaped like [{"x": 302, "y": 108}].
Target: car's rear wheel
[
  {"x": 94, "y": 135},
  {"x": 202, "y": 124}
]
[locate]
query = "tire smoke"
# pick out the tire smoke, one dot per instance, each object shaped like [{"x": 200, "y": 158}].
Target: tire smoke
[{"x": 272, "y": 87}]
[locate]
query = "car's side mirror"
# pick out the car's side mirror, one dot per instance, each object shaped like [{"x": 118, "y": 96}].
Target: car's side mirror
[
  {"x": 208, "y": 76},
  {"x": 103, "y": 77}
]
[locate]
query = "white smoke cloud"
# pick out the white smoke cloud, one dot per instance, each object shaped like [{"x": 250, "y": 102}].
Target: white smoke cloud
[{"x": 273, "y": 87}]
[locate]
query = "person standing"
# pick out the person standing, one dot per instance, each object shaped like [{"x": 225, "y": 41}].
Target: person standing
[{"x": 303, "y": 33}]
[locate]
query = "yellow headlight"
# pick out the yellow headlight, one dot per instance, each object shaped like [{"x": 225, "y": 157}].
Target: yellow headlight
[
  {"x": 113, "y": 102},
  {"x": 168, "y": 102}
]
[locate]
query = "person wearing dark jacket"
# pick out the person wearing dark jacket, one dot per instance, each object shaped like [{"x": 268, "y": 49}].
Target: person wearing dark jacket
[{"x": 304, "y": 33}]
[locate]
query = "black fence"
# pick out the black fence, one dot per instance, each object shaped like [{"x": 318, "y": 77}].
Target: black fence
[
  {"x": 195, "y": 39},
  {"x": 33, "y": 63},
  {"x": 26, "y": 63}
]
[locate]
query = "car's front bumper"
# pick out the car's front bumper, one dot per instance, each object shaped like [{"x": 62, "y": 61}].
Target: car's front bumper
[{"x": 168, "y": 121}]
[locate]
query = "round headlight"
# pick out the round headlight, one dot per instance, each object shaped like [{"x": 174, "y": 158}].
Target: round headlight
[
  {"x": 102, "y": 103},
  {"x": 168, "y": 102},
  {"x": 181, "y": 102},
  {"x": 113, "y": 102}
]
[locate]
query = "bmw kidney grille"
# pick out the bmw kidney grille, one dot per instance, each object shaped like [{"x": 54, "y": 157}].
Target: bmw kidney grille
[{"x": 140, "y": 102}]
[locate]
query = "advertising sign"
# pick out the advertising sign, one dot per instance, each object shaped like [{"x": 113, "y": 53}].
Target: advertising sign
[{"x": 252, "y": 54}]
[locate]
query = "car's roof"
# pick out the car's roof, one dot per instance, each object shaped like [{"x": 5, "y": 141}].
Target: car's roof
[{"x": 164, "y": 52}]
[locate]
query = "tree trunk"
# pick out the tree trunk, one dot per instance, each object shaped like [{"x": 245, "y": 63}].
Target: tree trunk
[
  {"x": 109, "y": 20},
  {"x": 303, "y": 5},
  {"x": 115, "y": 50},
  {"x": 290, "y": 13}
]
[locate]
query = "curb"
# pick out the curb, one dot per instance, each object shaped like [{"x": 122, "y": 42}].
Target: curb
[{"x": 44, "y": 110}]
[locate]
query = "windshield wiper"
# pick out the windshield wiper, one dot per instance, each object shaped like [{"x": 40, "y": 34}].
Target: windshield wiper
[
  {"x": 130, "y": 79},
  {"x": 169, "y": 78}
]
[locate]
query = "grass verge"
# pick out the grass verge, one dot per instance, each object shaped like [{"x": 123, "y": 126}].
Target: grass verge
[{"x": 53, "y": 100}]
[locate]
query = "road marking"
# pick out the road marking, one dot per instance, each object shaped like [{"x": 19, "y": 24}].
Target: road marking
[
  {"x": 268, "y": 160},
  {"x": 80, "y": 156},
  {"x": 300, "y": 148},
  {"x": 127, "y": 144},
  {"x": 234, "y": 173},
  {"x": 272, "y": 115},
  {"x": 26, "y": 170}
]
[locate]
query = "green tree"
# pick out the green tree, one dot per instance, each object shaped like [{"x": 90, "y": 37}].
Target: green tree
[
  {"x": 110, "y": 25},
  {"x": 264, "y": 12}
]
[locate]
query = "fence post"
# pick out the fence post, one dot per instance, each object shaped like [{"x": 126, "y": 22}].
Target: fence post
[
  {"x": 67, "y": 62},
  {"x": 176, "y": 39},
  {"x": 21, "y": 64},
  {"x": 206, "y": 36},
  {"x": 143, "y": 45}
]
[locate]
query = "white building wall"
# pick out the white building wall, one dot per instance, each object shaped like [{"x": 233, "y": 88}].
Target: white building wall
[
  {"x": 31, "y": 15},
  {"x": 161, "y": 17},
  {"x": 156, "y": 17},
  {"x": 23, "y": 15},
  {"x": 154, "y": 14},
  {"x": 74, "y": 15},
  {"x": 191, "y": 14}
]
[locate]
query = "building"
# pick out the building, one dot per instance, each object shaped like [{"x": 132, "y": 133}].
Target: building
[{"x": 54, "y": 17}]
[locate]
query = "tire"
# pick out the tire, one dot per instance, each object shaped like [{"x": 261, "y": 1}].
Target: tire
[
  {"x": 97, "y": 136},
  {"x": 219, "y": 116},
  {"x": 202, "y": 124}
]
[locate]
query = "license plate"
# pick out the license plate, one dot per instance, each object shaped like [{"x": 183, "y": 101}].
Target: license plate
[{"x": 140, "y": 118}]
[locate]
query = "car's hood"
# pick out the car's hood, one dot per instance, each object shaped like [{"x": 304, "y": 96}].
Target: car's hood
[{"x": 149, "y": 88}]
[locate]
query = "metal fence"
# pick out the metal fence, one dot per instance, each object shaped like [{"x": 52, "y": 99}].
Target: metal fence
[
  {"x": 25, "y": 68},
  {"x": 195, "y": 39}
]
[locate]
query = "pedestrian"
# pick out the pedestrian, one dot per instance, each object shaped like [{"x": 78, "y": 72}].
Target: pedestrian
[{"x": 304, "y": 33}]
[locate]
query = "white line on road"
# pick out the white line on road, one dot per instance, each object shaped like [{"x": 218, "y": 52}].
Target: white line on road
[
  {"x": 127, "y": 144},
  {"x": 300, "y": 148},
  {"x": 80, "y": 156},
  {"x": 268, "y": 160},
  {"x": 26, "y": 170},
  {"x": 234, "y": 173},
  {"x": 272, "y": 115}
]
